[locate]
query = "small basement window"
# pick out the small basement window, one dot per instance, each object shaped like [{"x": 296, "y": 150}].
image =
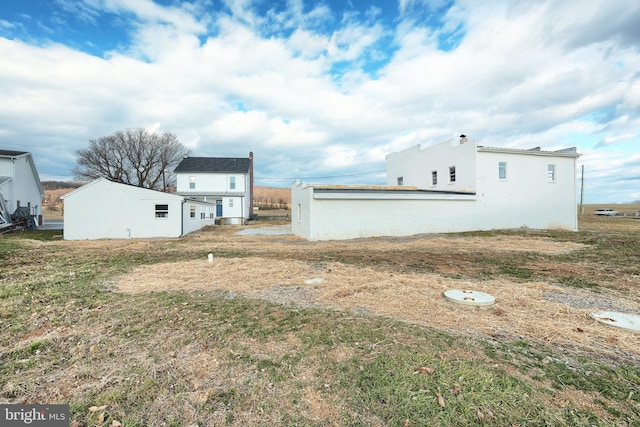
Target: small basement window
[
  {"x": 452, "y": 174},
  {"x": 162, "y": 211}
]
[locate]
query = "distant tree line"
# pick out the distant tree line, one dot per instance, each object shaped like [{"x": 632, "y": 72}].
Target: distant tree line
[{"x": 59, "y": 185}]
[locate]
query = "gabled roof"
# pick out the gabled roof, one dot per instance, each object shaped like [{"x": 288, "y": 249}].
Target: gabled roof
[
  {"x": 11, "y": 153},
  {"x": 136, "y": 192},
  {"x": 214, "y": 165}
]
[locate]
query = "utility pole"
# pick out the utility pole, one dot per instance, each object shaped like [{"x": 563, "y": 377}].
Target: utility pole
[{"x": 582, "y": 192}]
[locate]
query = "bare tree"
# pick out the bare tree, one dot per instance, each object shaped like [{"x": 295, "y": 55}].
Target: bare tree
[{"x": 132, "y": 156}]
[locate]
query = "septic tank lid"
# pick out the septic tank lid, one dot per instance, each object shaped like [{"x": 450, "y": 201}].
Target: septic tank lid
[
  {"x": 619, "y": 320},
  {"x": 468, "y": 297}
]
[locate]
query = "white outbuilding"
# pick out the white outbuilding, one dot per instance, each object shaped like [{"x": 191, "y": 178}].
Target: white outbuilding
[
  {"x": 20, "y": 186},
  {"x": 449, "y": 187},
  {"x": 103, "y": 209}
]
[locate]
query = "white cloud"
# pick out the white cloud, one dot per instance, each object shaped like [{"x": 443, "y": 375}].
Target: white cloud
[{"x": 346, "y": 89}]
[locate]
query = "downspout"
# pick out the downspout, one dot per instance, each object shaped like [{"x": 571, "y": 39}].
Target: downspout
[
  {"x": 13, "y": 185},
  {"x": 182, "y": 217},
  {"x": 250, "y": 184}
]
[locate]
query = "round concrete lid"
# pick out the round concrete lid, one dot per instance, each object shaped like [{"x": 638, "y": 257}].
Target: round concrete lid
[
  {"x": 469, "y": 297},
  {"x": 619, "y": 320}
]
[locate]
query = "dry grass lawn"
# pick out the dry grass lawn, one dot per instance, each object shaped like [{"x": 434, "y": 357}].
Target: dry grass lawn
[{"x": 536, "y": 310}]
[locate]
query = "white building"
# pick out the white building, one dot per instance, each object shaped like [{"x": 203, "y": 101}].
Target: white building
[
  {"x": 225, "y": 181},
  {"x": 20, "y": 185},
  {"x": 453, "y": 186},
  {"x": 103, "y": 209}
]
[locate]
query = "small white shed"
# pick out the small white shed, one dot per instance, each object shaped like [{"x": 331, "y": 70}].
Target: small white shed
[{"x": 103, "y": 209}]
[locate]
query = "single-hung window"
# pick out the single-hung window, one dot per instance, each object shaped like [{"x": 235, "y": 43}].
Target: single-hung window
[
  {"x": 434, "y": 177},
  {"x": 452, "y": 174},
  {"x": 502, "y": 170},
  {"x": 400, "y": 180},
  {"x": 162, "y": 211},
  {"x": 192, "y": 211},
  {"x": 232, "y": 182},
  {"x": 551, "y": 173},
  {"x": 192, "y": 182}
]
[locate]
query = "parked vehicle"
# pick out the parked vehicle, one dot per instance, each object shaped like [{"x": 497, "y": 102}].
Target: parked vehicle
[{"x": 605, "y": 212}]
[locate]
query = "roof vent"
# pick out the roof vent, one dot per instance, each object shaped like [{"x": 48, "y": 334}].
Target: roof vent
[{"x": 463, "y": 138}]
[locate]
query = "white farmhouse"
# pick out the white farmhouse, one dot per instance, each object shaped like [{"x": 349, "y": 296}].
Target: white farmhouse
[
  {"x": 103, "y": 209},
  {"x": 453, "y": 186},
  {"x": 20, "y": 185},
  {"x": 225, "y": 181}
]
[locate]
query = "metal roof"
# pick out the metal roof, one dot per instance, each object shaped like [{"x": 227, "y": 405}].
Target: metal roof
[
  {"x": 565, "y": 152},
  {"x": 209, "y": 193},
  {"x": 214, "y": 164}
]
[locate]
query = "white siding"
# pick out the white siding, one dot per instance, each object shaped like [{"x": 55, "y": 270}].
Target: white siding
[
  {"x": 217, "y": 186},
  {"x": 210, "y": 182},
  {"x": 23, "y": 185},
  {"x": 107, "y": 210},
  {"x": 190, "y": 223}
]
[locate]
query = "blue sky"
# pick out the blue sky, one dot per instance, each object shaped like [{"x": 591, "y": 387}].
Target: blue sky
[{"x": 323, "y": 91}]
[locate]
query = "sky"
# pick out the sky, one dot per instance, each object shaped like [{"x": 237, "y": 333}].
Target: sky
[{"x": 323, "y": 91}]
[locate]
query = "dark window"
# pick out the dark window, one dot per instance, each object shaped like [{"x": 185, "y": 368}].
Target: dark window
[
  {"x": 452, "y": 174},
  {"x": 434, "y": 178},
  {"x": 400, "y": 180},
  {"x": 162, "y": 211}
]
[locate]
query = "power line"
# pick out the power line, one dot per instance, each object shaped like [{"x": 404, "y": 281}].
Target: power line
[{"x": 319, "y": 177}]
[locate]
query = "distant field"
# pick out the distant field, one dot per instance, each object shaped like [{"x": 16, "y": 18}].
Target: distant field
[{"x": 628, "y": 208}]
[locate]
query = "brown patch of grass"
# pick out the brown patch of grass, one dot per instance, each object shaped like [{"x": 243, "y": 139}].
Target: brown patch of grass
[{"x": 521, "y": 309}]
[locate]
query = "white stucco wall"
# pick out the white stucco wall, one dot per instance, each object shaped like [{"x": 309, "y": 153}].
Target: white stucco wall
[
  {"x": 526, "y": 198},
  {"x": 301, "y": 195},
  {"x": 416, "y": 163},
  {"x": 333, "y": 214}
]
